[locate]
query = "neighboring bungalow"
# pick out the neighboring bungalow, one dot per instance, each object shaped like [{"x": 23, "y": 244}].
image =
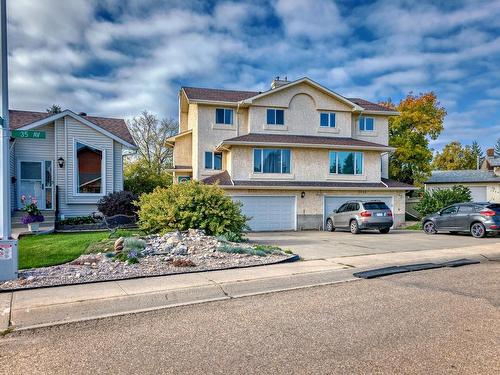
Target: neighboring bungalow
[{"x": 75, "y": 160}]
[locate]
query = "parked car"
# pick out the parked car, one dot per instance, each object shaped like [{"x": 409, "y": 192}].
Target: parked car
[
  {"x": 358, "y": 215},
  {"x": 477, "y": 218}
]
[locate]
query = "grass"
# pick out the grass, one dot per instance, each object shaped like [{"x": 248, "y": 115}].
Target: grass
[
  {"x": 416, "y": 226},
  {"x": 57, "y": 248}
]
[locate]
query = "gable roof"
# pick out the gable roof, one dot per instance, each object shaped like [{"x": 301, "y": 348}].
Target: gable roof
[
  {"x": 235, "y": 96},
  {"x": 297, "y": 140},
  {"x": 112, "y": 126},
  {"x": 493, "y": 161},
  {"x": 462, "y": 176}
]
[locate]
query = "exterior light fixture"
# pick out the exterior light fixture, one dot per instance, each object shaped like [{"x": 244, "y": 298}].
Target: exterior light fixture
[
  {"x": 303, "y": 194},
  {"x": 60, "y": 162}
]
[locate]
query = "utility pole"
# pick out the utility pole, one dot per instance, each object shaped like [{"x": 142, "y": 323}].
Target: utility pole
[{"x": 8, "y": 246}]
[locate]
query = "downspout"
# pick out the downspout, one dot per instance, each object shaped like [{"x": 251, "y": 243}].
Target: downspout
[{"x": 238, "y": 119}]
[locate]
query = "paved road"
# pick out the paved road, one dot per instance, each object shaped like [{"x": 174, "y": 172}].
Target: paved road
[
  {"x": 323, "y": 245},
  {"x": 439, "y": 321}
]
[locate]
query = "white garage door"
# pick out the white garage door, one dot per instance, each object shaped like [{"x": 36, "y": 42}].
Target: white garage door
[
  {"x": 478, "y": 193},
  {"x": 269, "y": 213},
  {"x": 332, "y": 203}
]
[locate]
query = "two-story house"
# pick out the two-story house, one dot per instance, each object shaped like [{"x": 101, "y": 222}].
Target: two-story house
[{"x": 291, "y": 154}]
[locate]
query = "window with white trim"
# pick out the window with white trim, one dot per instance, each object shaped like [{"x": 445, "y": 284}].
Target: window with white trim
[
  {"x": 275, "y": 116},
  {"x": 346, "y": 162},
  {"x": 213, "y": 160},
  {"x": 366, "y": 124},
  {"x": 224, "y": 116},
  {"x": 89, "y": 169},
  {"x": 327, "y": 119},
  {"x": 269, "y": 160}
]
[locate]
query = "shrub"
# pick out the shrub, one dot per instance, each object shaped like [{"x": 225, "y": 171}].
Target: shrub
[
  {"x": 78, "y": 220},
  {"x": 140, "y": 178},
  {"x": 190, "y": 205},
  {"x": 134, "y": 243},
  {"x": 435, "y": 200},
  {"x": 118, "y": 203},
  {"x": 259, "y": 250}
]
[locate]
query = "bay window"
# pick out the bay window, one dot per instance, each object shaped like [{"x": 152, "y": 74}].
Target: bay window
[
  {"x": 268, "y": 160},
  {"x": 346, "y": 162},
  {"x": 89, "y": 169}
]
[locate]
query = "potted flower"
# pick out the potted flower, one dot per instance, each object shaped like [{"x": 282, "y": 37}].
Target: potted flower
[{"x": 33, "y": 215}]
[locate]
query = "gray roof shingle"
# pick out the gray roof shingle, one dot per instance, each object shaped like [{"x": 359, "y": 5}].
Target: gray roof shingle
[{"x": 462, "y": 176}]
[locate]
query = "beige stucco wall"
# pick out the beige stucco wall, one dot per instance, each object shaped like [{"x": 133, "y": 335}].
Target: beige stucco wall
[
  {"x": 380, "y": 133},
  {"x": 307, "y": 164},
  {"x": 183, "y": 150},
  {"x": 493, "y": 193}
]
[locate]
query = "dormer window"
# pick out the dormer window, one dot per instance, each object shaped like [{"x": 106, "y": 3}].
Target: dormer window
[
  {"x": 366, "y": 124},
  {"x": 327, "y": 119},
  {"x": 275, "y": 116},
  {"x": 224, "y": 116}
]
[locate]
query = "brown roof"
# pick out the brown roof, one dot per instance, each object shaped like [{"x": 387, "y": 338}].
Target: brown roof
[
  {"x": 218, "y": 95},
  {"x": 304, "y": 139},
  {"x": 115, "y": 126},
  {"x": 233, "y": 96},
  {"x": 370, "y": 106},
  {"x": 222, "y": 178}
]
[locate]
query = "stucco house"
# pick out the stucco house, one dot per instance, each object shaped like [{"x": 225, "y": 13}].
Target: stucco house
[
  {"x": 290, "y": 154},
  {"x": 72, "y": 161},
  {"x": 483, "y": 183}
]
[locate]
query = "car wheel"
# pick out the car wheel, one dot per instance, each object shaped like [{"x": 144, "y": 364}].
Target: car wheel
[
  {"x": 478, "y": 230},
  {"x": 354, "y": 227},
  {"x": 429, "y": 228},
  {"x": 384, "y": 230},
  {"x": 329, "y": 226}
]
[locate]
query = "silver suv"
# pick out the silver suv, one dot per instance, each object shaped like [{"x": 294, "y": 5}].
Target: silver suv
[{"x": 358, "y": 215}]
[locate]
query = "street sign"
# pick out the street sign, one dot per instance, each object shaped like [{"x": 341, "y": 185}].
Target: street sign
[{"x": 27, "y": 134}]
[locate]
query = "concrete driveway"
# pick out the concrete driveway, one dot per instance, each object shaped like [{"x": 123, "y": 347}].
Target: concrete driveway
[{"x": 322, "y": 245}]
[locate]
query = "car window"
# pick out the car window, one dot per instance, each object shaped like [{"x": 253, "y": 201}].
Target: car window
[
  {"x": 354, "y": 206},
  {"x": 466, "y": 209},
  {"x": 341, "y": 208},
  {"x": 375, "y": 206},
  {"x": 449, "y": 210}
]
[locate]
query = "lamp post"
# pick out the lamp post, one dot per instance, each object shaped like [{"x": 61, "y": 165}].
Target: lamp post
[{"x": 8, "y": 246}]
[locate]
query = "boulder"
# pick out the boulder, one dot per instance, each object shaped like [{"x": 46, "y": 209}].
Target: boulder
[
  {"x": 180, "y": 249},
  {"x": 119, "y": 244}
]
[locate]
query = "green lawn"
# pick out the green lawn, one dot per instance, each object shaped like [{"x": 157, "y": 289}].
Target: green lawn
[
  {"x": 56, "y": 248},
  {"x": 416, "y": 226}
]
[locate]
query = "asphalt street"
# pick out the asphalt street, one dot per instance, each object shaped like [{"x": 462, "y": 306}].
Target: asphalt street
[{"x": 437, "y": 321}]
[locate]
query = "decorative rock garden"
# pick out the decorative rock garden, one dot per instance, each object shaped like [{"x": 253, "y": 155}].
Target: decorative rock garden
[{"x": 174, "y": 252}]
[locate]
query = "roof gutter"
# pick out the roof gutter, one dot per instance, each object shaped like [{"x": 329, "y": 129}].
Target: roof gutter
[
  {"x": 305, "y": 145},
  {"x": 316, "y": 188}
]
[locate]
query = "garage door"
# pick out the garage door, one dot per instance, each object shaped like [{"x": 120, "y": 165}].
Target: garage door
[
  {"x": 269, "y": 213},
  {"x": 478, "y": 193},
  {"x": 332, "y": 203}
]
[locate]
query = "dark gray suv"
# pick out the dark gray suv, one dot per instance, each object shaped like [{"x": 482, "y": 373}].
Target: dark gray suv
[{"x": 476, "y": 218}]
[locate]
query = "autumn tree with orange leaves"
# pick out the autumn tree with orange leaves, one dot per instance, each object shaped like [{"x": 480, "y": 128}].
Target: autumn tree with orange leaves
[{"x": 420, "y": 120}]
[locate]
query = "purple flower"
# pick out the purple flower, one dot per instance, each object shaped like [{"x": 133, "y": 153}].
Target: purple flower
[{"x": 28, "y": 219}]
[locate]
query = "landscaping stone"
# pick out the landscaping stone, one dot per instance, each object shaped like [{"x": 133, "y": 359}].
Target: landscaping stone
[{"x": 170, "y": 253}]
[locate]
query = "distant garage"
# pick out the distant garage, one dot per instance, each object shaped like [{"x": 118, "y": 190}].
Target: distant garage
[
  {"x": 269, "y": 213},
  {"x": 333, "y": 202}
]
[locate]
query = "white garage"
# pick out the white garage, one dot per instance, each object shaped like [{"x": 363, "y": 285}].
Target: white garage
[
  {"x": 269, "y": 213},
  {"x": 478, "y": 193},
  {"x": 333, "y": 202}
]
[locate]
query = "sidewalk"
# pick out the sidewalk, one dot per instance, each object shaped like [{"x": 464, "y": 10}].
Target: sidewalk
[{"x": 49, "y": 306}]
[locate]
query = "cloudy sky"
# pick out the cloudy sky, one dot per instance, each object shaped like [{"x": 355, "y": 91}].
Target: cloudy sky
[{"x": 118, "y": 57}]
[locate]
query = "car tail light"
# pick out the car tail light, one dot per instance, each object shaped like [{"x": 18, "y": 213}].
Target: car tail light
[
  {"x": 389, "y": 213},
  {"x": 487, "y": 212},
  {"x": 365, "y": 214},
  {"x": 493, "y": 226}
]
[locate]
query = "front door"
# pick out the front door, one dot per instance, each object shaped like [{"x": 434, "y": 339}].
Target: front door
[{"x": 35, "y": 182}]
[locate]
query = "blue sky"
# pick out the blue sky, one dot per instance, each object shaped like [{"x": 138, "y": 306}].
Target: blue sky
[{"x": 118, "y": 57}]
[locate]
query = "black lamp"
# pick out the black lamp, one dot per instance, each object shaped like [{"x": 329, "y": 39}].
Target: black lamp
[
  {"x": 60, "y": 162},
  {"x": 303, "y": 194}
]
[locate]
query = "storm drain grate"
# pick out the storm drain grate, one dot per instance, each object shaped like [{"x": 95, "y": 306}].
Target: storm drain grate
[{"x": 386, "y": 271}]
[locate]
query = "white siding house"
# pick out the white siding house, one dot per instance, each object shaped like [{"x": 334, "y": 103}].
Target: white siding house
[{"x": 78, "y": 161}]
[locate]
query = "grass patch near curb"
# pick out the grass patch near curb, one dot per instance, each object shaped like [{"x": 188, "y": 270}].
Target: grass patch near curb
[
  {"x": 259, "y": 250},
  {"x": 416, "y": 226},
  {"x": 56, "y": 248}
]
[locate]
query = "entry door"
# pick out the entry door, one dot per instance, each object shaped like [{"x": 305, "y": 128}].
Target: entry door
[{"x": 35, "y": 181}]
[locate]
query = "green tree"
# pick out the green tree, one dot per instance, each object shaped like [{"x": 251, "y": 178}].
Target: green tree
[
  {"x": 54, "y": 109},
  {"x": 455, "y": 157},
  {"x": 478, "y": 153},
  {"x": 497, "y": 148},
  {"x": 420, "y": 119},
  {"x": 140, "y": 178},
  {"x": 435, "y": 200}
]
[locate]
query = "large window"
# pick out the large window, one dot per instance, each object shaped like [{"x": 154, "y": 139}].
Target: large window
[
  {"x": 365, "y": 124},
  {"x": 89, "y": 161},
  {"x": 213, "y": 160},
  {"x": 345, "y": 162},
  {"x": 327, "y": 119},
  {"x": 224, "y": 116},
  {"x": 275, "y": 116},
  {"x": 268, "y": 160}
]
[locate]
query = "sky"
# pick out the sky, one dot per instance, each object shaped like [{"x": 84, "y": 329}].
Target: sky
[{"x": 119, "y": 57}]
